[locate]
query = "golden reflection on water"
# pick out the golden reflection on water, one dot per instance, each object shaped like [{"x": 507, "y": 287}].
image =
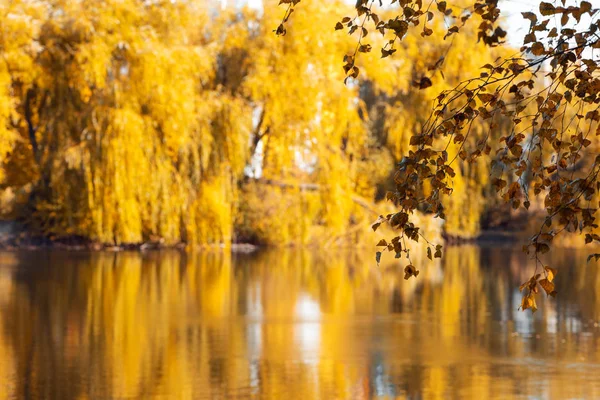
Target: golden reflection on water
[{"x": 293, "y": 325}]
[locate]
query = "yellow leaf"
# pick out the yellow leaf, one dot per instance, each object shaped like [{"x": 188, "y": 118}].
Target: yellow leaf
[
  {"x": 551, "y": 273},
  {"x": 532, "y": 303},
  {"x": 528, "y": 301}
]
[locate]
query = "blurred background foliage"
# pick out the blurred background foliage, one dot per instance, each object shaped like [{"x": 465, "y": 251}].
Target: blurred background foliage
[{"x": 191, "y": 121}]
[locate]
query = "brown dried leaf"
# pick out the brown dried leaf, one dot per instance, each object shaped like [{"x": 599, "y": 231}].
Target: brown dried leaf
[
  {"x": 548, "y": 287},
  {"x": 409, "y": 271}
]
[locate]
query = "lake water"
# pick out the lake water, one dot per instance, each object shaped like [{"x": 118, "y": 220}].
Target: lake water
[{"x": 294, "y": 325}]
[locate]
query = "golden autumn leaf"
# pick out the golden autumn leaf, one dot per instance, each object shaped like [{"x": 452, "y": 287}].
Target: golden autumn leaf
[
  {"x": 547, "y": 286},
  {"x": 528, "y": 301},
  {"x": 551, "y": 273},
  {"x": 531, "y": 284}
]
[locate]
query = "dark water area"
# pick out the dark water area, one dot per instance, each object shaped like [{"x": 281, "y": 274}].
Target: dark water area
[{"x": 291, "y": 324}]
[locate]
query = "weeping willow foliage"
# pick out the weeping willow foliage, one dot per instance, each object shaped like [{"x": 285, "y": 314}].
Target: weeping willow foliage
[
  {"x": 179, "y": 121},
  {"x": 133, "y": 137}
]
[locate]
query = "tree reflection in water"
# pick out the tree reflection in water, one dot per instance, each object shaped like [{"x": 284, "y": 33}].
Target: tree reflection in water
[{"x": 293, "y": 324}]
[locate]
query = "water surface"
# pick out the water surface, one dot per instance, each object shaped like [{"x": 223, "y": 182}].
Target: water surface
[{"x": 293, "y": 325}]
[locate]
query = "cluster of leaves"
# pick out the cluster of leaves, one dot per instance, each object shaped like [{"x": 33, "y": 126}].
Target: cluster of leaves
[
  {"x": 400, "y": 221},
  {"x": 531, "y": 288},
  {"x": 550, "y": 94}
]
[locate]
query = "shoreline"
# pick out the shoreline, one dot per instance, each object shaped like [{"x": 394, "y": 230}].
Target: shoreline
[
  {"x": 24, "y": 241},
  {"x": 14, "y": 239}
]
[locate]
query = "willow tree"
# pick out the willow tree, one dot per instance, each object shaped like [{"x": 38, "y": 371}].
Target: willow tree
[
  {"x": 131, "y": 136},
  {"x": 20, "y": 22},
  {"x": 308, "y": 130},
  {"x": 555, "y": 73}
]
